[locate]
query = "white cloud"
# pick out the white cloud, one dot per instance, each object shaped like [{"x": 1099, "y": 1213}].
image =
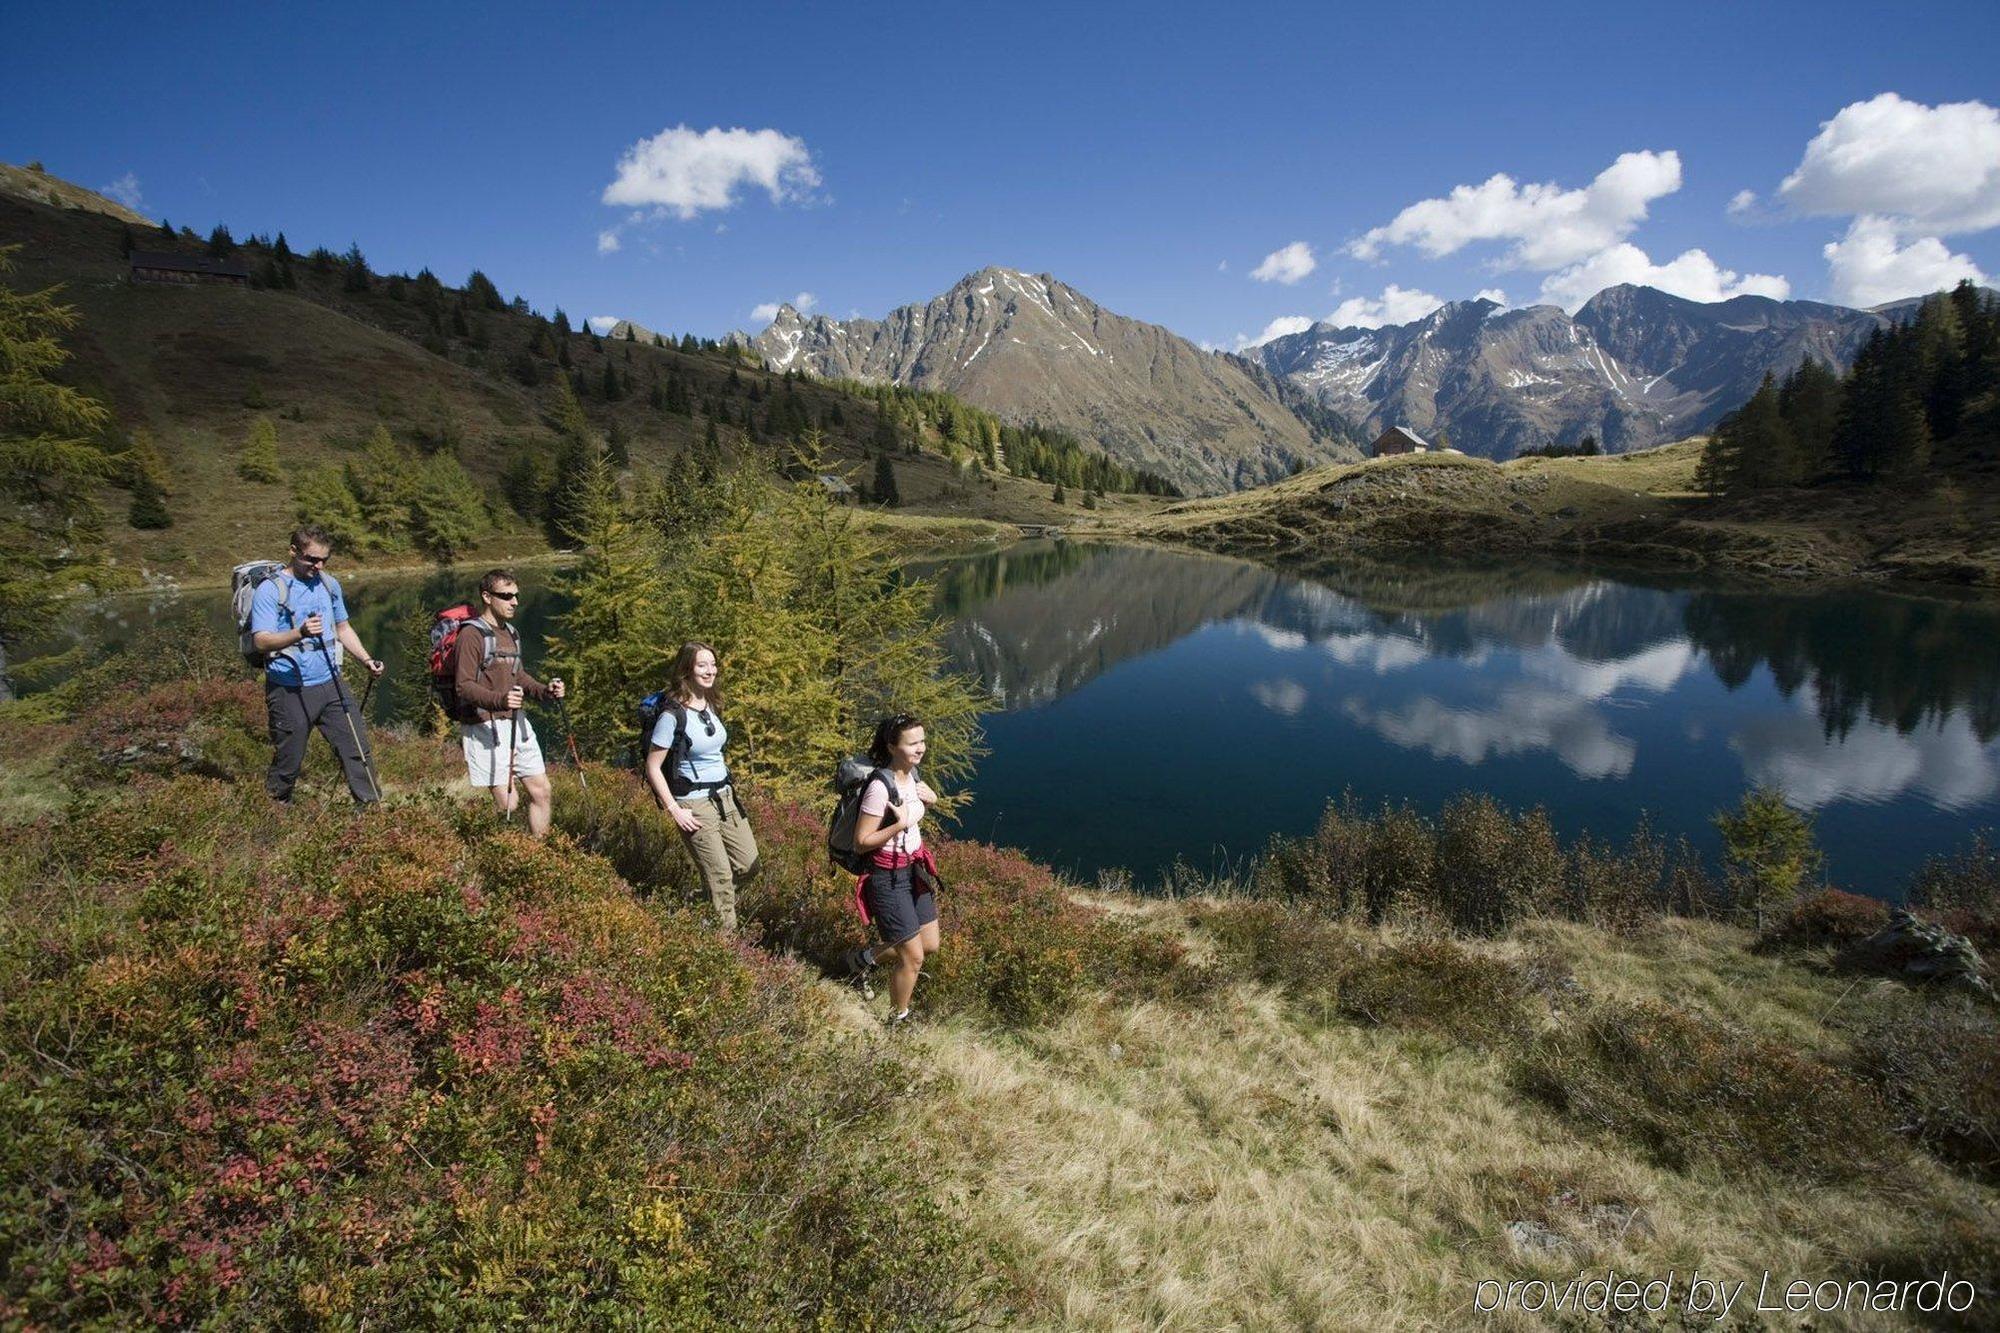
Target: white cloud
[
  {"x": 1396, "y": 305},
  {"x": 1526, "y": 719},
  {"x": 1656, "y": 669},
  {"x": 1277, "y": 328},
  {"x": 768, "y": 311},
  {"x": 1293, "y": 263},
  {"x": 607, "y": 241},
  {"x": 1945, "y": 762},
  {"x": 1870, "y": 265},
  {"x": 1548, "y": 225},
  {"x": 687, "y": 172},
  {"x": 1742, "y": 202},
  {"x": 125, "y": 190},
  {"x": 1493, "y": 294},
  {"x": 1936, "y": 170},
  {"x": 1223, "y": 267},
  {"x": 1693, "y": 275},
  {"x": 1285, "y": 697},
  {"x": 601, "y": 324},
  {"x": 1378, "y": 653}
]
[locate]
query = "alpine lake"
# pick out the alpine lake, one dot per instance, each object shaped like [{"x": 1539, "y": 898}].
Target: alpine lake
[{"x": 1153, "y": 707}]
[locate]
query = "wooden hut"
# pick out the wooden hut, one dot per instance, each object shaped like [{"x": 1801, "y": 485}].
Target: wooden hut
[
  {"x": 165, "y": 266},
  {"x": 1399, "y": 440}
]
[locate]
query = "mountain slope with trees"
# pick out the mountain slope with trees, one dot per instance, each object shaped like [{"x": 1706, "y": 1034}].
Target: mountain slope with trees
[{"x": 431, "y": 421}]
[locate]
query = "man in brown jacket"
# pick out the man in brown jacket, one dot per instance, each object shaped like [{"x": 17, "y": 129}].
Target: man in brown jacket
[{"x": 500, "y": 745}]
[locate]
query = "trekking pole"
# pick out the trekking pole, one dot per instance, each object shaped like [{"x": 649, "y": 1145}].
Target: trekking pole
[
  {"x": 347, "y": 707},
  {"x": 569, "y": 735},
  {"x": 367, "y": 690},
  {"x": 513, "y": 749}
]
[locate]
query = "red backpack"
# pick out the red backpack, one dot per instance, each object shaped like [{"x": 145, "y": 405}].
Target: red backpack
[{"x": 446, "y": 626}]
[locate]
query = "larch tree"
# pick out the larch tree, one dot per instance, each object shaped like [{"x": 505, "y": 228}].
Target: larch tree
[{"x": 51, "y": 461}]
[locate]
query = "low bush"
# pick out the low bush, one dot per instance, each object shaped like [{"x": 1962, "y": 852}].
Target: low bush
[
  {"x": 263, "y": 1069},
  {"x": 1434, "y": 985},
  {"x": 1827, "y": 919},
  {"x": 1017, "y": 948},
  {"x": 1687, "y": 1089},
  {"x": 1478, "y": 868},
  {"x": 1294, "y": 947},
  {"x": 1963, "y": 891},
  {"x": 1938, "y": 1063}
]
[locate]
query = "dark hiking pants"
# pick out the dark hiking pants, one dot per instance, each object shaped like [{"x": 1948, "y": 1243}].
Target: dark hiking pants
[{"x": 294, "y": 712}]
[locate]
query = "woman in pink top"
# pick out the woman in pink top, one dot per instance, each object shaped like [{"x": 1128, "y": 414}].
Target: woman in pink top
[{"x": 900, "y": 889}]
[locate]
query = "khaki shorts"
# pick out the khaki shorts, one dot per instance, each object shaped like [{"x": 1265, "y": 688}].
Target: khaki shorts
[{"x": 486, "y": 752}]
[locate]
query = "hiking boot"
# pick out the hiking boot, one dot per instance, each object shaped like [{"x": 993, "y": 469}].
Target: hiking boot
[
  {"x": 856, "y": 963},
  {"x": 896, "y": 1022}
]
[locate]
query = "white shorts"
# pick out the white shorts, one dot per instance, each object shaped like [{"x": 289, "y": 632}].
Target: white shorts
[{"x": 486, "y": 752}]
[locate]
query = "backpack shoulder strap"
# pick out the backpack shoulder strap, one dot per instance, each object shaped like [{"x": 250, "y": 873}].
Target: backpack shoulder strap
[
  {"x": 486, "y": 635},
  {"x": 888, "y": 781}
]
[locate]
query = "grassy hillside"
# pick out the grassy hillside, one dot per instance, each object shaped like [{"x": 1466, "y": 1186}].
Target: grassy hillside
[
  {"x": 195, "y": 366},
  {"x": 413, "y": 1068},
  {"x": 1641, "y": 508}
]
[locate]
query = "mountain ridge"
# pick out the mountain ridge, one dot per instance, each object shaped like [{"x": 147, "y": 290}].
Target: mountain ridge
[
  {"x": 1031, "y": 348},
  {"x": 1634, "y": 367}
]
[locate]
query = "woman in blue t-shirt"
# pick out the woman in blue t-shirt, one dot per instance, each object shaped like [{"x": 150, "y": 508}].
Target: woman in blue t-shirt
[{"x": 685, "y": 769}]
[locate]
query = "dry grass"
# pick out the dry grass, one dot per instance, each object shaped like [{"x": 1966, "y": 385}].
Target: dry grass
[{"x": 1234, "y": 1167}]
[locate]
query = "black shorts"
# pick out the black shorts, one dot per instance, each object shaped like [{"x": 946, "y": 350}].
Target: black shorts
[{"x": 897, "y": 903}]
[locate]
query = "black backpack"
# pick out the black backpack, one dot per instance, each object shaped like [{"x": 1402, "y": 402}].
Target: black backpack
[{"x": 851, "y": 778}]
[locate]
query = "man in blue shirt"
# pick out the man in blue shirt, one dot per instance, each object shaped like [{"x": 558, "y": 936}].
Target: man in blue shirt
[{"x": 299, "y": 619}]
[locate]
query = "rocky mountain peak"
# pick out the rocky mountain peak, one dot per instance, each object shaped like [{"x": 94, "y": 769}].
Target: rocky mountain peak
[{"x": 1029, "y": 347}]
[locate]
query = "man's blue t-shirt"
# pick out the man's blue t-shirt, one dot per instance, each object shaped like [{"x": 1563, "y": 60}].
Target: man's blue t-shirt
[
  {"x": 704, "y": 756},
  {"x": 301, "y": 664}
]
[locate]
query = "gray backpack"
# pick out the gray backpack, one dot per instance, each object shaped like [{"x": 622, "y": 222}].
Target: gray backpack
[{"x": 244, "y": 580}]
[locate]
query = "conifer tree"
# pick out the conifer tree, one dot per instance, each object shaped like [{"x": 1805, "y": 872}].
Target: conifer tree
[
  {"x": 321, "y": 494},
  {"x": 617, "y": 447},
  {"x": 149, "y": 504},
  {"x": 446, "y": 510},
  {"x": 1809, "y": 402},
  {"x": 166, "y": 230},
  {"x": 614, "y": 643},
  {"x": 383, "y": 482},
  {"x": 611, "y": 388},
  {"x": 1862, "y": 425},
  {"x": 260, "y": 452},
  {"x": 884, "y": 487},
  {"x": 220, "y": 243},
  {"x": 1057, "y": 494},
  {"x": 1769, "y": 849},
  {"x": 354, "y": 270},
  {"x": 479, "y": 290},
  {"x": 561, "y": 322},
  {"x": 146, "y": 472},
  {"x": 283, "y": 252}
]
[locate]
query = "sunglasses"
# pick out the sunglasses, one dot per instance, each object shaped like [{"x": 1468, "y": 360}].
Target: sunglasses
[
  {"x": 313, "y": 560},
  {"x": 707, "y": 721},
  {"x": 505, "y": 596}
]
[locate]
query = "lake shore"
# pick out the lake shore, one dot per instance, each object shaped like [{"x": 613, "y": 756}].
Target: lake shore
[{"x": 1638, "y": 511}]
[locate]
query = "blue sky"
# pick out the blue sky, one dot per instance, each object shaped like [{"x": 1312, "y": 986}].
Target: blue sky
[{"x": 1153, "y": 156}]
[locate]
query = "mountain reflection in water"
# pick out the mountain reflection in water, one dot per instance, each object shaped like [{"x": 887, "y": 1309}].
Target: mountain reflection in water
[
  {"x": 1155, "y": 705},
  {"x": 1210, "y": 702}
]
